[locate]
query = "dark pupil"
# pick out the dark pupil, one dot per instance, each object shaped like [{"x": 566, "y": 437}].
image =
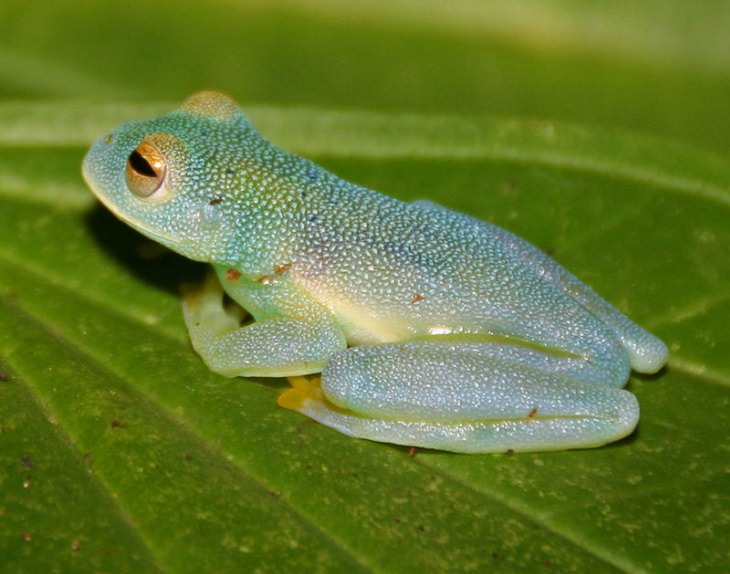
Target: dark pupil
[{"x": 141, "y": 165}]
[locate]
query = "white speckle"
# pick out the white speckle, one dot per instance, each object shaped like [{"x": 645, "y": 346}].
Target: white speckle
[{"x": 439, "y": 330}]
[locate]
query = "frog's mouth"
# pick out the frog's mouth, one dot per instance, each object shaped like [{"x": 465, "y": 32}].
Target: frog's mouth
[{"x": 113, "y": 207}]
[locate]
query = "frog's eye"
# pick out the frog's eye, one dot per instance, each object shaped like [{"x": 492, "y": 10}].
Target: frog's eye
[{"x": 146, "y": 170}]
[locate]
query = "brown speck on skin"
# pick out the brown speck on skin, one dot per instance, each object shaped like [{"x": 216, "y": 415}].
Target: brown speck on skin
[
  {"x": 27, "y": 461},
  {"x": 6, "y": 429},
  {"x": 188, "y": 456},
  {"x": 416, "y": 298},
  {"x": 215, "y": 201},
  {"x": 88, "y": 459},
  {"x": 233, "y": 275},
  {"x": 75, "y": 545},
  {"x": 4, "y": 377},
  {"x": 27, "y": 536},
  {"x": 533, "y": 413},
  {"x": 266, "y": 280},
  {"x": 281, "y": 269},
  {"x": 412, "y": 451},
  {"x": 117, "y": 424}
]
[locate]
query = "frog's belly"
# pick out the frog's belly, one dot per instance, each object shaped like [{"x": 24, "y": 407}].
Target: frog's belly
[
  {"x": 362, "y": 326},
  {"x": 382, "y": 320}
]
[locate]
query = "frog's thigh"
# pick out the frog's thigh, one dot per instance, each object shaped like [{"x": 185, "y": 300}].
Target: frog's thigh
[
  {"x": 468, "y": 398},
  {"x": 281, "y": 346},
  {"x": 646, "y": 352}
]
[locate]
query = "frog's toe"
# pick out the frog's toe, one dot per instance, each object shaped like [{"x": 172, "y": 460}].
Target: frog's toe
[
  {"x": 648, "y": 354},
  {"x": 205, "y": 313},
  {"x": 303, "y": 389}
]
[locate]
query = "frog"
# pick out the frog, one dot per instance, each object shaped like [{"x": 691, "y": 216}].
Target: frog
[{"x": 398, "y": 322}]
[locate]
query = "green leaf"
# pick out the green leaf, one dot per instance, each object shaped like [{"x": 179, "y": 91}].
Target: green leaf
[{"x": 120, "y": 451}]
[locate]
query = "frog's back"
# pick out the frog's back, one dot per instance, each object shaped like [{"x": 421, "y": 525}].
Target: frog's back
[{"x": 425, "y": 268}]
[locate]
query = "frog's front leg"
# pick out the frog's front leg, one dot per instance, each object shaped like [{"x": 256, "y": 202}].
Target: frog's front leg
[
  {"x": 276, "y": 347},
  {"x": 464, "y": 397}
]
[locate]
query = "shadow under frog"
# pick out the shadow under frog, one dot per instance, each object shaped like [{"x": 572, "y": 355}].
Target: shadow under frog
[{"x": 147, "y": 260}]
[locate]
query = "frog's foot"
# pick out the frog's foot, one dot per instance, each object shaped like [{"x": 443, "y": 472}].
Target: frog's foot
[
  {"x": 203, "y": 305},
  {"x": 462, "y": 398},
  {"x": 303, "y": 389},
  {"x": 306, "y": 390}
]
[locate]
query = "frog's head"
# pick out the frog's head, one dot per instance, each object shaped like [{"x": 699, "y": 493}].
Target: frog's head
[{"x": 170, "y": 177}]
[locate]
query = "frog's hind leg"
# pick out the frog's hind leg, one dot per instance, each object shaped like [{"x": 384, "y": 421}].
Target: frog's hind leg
[
  {"x": 647, "y": 353},
  {"x": 463, "y": 397}
]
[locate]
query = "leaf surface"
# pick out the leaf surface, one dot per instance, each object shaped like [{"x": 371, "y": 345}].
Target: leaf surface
[{"x": 121, "y": 452}]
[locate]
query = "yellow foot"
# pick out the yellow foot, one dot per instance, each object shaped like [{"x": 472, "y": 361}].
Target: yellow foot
[{"x": 303, "y": 389}]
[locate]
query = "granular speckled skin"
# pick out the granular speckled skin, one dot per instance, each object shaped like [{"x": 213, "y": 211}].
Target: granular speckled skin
[{"x": 430, "y": 328}]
